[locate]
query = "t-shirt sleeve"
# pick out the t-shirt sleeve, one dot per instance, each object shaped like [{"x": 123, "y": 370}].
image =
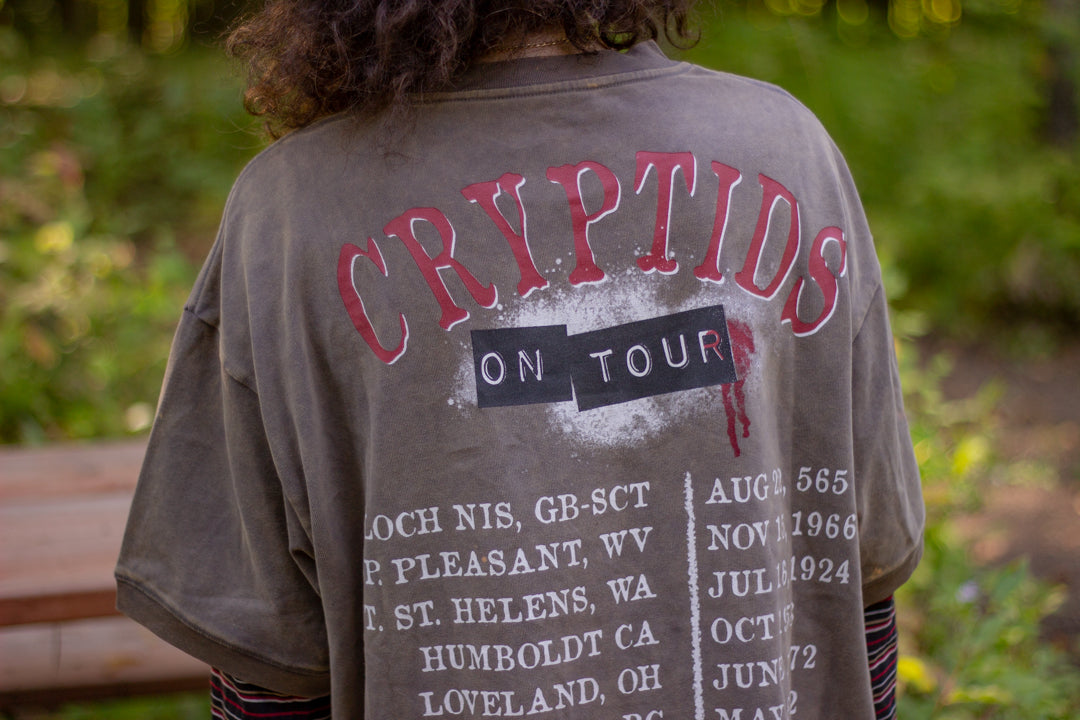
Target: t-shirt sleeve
[
  {"x": 215, "y": 559},
  {"x": 888, "y": 490}
]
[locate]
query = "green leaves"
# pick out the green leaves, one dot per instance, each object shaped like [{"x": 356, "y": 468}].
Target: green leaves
[
  {"x": 113, "y": 172},
  {"x": 975, "y": 211}
]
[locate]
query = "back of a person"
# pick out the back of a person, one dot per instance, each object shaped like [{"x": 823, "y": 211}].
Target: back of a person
[{"x": 579, "y": 402}]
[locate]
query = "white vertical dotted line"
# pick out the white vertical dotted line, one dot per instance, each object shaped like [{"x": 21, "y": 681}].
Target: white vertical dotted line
[{"x": 695, "y": 601}]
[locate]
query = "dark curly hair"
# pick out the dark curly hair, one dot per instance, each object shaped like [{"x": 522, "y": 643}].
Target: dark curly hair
[{"x": 307, "y": 59}]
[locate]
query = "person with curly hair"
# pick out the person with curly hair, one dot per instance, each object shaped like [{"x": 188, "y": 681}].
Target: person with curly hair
[
  {"x": 532, "y": 373},
  {"x": 312, "y": 59}
]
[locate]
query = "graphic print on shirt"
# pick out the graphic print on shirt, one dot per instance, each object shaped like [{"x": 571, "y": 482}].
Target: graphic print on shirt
[
  {"x": 734, "y": 393},
  {"x": 594, "y": 192},
  {"x": 527, "y": 365},
  {"x": 554, "y": 596},
  {"x": 561, "y": 603},
  {"x": 603, "y": 367},
  {"x": 823, "y": 272}
]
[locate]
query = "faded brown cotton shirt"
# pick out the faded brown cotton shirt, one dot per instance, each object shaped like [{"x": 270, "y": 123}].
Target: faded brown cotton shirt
[{"x": 582, "y": 403}]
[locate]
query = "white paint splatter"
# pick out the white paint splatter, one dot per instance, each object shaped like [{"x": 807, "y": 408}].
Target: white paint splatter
[{"x": 594, "y": 307}]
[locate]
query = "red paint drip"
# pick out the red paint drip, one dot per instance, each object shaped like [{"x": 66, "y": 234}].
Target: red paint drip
[{"x": 742, "y": 348}]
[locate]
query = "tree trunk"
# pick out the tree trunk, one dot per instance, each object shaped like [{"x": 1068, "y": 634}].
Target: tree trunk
[
  {"x": 136, "y": 20},
  {"x": 1062, "y": 121}
]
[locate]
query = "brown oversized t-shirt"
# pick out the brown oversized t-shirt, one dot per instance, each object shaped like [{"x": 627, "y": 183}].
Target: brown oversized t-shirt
[{"x": 580, "y": 402}]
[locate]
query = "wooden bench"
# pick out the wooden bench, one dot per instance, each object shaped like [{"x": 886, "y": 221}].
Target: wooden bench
[{"x": 62, "y": 515}]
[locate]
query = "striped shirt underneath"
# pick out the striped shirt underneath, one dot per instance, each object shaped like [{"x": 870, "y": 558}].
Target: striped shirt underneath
[{"x": 232, "y": 699}]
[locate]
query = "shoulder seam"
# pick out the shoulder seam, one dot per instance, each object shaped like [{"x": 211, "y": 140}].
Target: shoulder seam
[{"x": 231, "y": 374}]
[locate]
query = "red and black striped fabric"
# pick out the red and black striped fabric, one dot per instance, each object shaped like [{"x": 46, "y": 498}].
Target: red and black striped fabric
[
  {"x": 882, "y": 651},
  {"x": 231, "y": 699}
]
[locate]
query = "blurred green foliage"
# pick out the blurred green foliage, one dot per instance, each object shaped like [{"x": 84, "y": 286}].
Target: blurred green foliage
[
  {"x": 952, "y": 133},
  {"x": 971, "y": 647},
  {"x": 189, "y": 706},
  {"x": 114, "y": 165}
]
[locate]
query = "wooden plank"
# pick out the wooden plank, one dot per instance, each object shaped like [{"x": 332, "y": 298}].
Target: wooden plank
[
  {"x": 57, "y": 556},
  {"x": 62, "y": 516},
  {"x": 58, "y": 607},
  {"x": 63, "y": 471},
  {"x": 107, "y": 657}
]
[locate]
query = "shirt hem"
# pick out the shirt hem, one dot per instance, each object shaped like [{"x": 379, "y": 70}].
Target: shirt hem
[
  {"x": 145, "y": 609},
  {"x": 885, "y": 585}
]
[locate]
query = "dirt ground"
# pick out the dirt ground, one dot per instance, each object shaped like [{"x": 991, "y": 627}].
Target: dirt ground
[{"x": 1037, "y": 514}]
